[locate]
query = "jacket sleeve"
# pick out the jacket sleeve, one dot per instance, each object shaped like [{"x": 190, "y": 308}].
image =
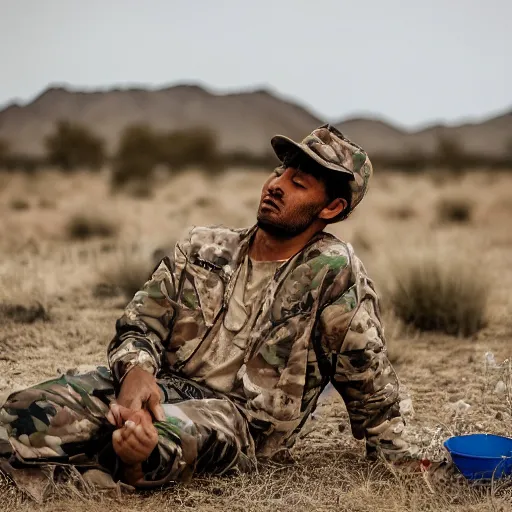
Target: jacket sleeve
[
  {"x": 143, "y": 331},
  {"x": 353, "y": 341}
]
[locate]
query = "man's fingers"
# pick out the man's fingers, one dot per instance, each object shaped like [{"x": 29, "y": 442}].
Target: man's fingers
[
  {"x": 114, "y": 415},
  {"x": 156, "y": 408},
  {"x": 111, "y": 419},
  {"x": 138, "y": 434},
  {"x": 128, "y": 414},
  {"x": 130, "y": 449}
]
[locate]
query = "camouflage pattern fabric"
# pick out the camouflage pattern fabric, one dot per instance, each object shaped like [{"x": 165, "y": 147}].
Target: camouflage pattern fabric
[
  {"x": 332, "y": 150},
  {"x": 63, "y": 421},
  {"x": 319, "y": 322}
]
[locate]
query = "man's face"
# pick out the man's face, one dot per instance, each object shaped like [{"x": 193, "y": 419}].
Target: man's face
[{"x": 291, "y": 200}]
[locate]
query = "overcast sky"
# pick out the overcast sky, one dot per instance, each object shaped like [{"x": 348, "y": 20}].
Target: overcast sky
[{"x": 409, "y": 61}]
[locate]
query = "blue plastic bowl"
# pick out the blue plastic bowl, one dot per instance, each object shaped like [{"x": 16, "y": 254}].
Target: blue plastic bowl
[{"x": 481, "y": 456}]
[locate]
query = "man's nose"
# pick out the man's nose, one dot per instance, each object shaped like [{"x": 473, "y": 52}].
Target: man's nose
[{"x": 275, "y": 187}]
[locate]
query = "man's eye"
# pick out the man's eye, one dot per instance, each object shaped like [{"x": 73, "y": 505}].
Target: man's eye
[{"x": 300, "y": 185}]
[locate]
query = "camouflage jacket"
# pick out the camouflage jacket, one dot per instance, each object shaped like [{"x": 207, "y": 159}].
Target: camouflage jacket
[{"x": 319, "y": 322}]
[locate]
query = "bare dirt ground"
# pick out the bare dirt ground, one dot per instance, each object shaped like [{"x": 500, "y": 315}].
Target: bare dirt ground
[{"x": 40, "y": 264}]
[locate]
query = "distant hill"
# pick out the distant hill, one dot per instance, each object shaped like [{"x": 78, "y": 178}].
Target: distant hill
[{"x": 242, "y": 121}]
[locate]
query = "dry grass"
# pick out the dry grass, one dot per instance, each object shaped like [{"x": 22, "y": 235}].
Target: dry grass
[
  {"x": 19, "y": 204},
  {"x": 124, "y": 274},
  {"x": 403, "y": 212},
  {"x": 455, "y": 210},
  {"x": 435, "y": 293},
  {"x": 330, "y": 473},
  {"x": 24, "y": 314},
  {"x": 86, "y": 225}
]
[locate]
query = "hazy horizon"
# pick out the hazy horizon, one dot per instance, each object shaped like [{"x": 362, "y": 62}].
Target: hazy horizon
[{"x": 412, "y": 65}]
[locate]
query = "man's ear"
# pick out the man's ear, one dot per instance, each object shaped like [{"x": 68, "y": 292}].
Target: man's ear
[{"x": 333, "y": 209}]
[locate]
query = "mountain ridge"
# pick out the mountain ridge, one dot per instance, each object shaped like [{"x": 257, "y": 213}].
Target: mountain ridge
[{"x": 243, "y": 120}]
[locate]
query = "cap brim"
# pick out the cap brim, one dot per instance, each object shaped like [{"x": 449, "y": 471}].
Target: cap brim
[{"x": 283, "y": 146}]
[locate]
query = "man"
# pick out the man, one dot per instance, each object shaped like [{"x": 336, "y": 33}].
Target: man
[{"x": 221, "y": 357}]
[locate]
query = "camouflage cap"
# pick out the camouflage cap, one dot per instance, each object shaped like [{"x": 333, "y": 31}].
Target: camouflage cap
[{"x": 332, "y": 150}]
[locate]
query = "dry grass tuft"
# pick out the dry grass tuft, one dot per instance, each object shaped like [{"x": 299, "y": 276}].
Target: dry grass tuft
[
  {"x": 87, "y": 225},
  {"x": 438, "y": 294},
  {"x": 362, "y": 243},
  {"x": 398, "y": 343},
  {"x": 19, "y": 204},
  {"x": 403, "y": 212},
  {"x": 22, "y": 300},
  {"x": 24, "y": 314},
  {"x": 124, "y": 275},
  {"x": 455, "y": 210}
]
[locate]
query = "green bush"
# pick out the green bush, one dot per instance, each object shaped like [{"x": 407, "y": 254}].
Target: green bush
[
  {"x": 72, "y": 146},
  {"x": 440, "y": 294}
]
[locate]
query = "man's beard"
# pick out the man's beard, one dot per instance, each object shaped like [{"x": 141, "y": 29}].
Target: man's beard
[{"x": 301, "y": 221}]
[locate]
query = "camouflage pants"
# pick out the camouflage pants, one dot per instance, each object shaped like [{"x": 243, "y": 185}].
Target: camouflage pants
[{"x": 63, "y": 421}]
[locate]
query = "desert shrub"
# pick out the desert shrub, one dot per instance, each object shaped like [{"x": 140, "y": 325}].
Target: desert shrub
[
  {"x": 137, "y": 155},
  {"x": 440, "y": 294},
  {"x": 124, "y": 275},
  {"x": 402, "y": 212},
  {"x": 361, "y": 242},
  {"x": 72, "y": 146},
  {"x": 141, "y": 149},
  {"x": 450, "y": 155},
  {"x": 4, "y": 153},
  {"x": 455, "y": 210},
  {"x": 86, "y": 225},
  {"x": 25, "y": 163},
  {"x": 23, "y": 300},
  {"x": 47, "y": 204},
  {"x": 23, "y": 313},
  {"x": 19, "y": 203},
  {"x": 183, "y": 148},
  {"x": 140, "y": 189}
]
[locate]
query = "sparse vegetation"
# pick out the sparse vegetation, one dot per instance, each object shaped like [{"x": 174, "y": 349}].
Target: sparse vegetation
[
  {"x": 72, "y": 146},
  {"x": 455, "y": 210},
  {"x": 136, "y": 157},
  {"x": 361, "y": 242},
  {"x": 402, "y": 212},
  {"x": 330, "y": 472},
  {"x": 141, "y": 149},
  {"x": 4, "y": 153},
  {"x": 125, "y": 275},
  {"x": 19, "y": 203},
  {"x": 185, "y": 148},
  {"x": 450, "y": 154},
  {"x": 440, "y": 294},
  {"x": 24, "y": 314},
  {"x": 86, "y": 225},
  {"x": 47, "y": 204}
]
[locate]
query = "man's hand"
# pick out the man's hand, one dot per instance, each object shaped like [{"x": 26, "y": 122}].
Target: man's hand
[
  {"x": 135, "y": 441},
  {"x": 138, "y": 390}
]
